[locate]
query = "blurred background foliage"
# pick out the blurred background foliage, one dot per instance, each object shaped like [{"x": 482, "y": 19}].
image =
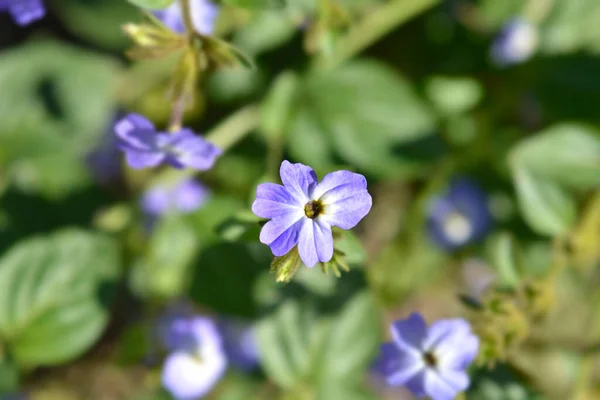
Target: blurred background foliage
[{"x": 402, "y": 91}]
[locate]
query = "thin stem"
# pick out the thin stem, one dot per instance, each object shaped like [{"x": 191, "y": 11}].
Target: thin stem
[
  {"x": 235, "y": 127},
  {"x": 177, "y": 110},
  {"x": 372, "y": 28},
  {"x": 186, "y": 10}
]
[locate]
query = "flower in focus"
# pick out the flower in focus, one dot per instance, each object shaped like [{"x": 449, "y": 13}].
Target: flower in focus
[
  {"x": 459, "y": 216},
  {"x": 184, "y": 197},
  {"x": 516, "y": 43},
  {"x": 429, "y": 361},
  {"x": 197, "y": 360},
  {"x": 204, "y": 13},
  {"x": 240, "y": 343},
  {"x": 302, "y": 210},
  {"x": 145, "y": 147},
  {"x": 24, "y": 12}
]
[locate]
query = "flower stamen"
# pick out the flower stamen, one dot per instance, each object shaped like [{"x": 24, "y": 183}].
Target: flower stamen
[{"x": 313, "y": 209}]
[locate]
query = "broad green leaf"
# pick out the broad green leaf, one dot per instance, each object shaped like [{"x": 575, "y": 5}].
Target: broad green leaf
[
  {"x": 302, "y": 345},
  {"x": 53, "y": 295},
  {"x": 164, "y": 271},
  {"x": 546, "y": 207},
  {"x": 267, "y": 30},
  {"x": 256, "y": 4},
  {"x": 60, "y": 101},
  {"x": 278, "y": 105},
  {"x": 352, "y": 341},
  {"x": 453, "y": 96},
  {"x": 151, "y": 4},
  {"x": 362, "y": 111},
  {"x": 98, "y": 21},
  {"x": 568, "y": 154}
]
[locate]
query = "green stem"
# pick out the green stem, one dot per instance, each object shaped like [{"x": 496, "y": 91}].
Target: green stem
[
  {"x": 372, "y": 28},
  {"x": 586, "y": 367},
  {"x": 235, "y": 127},
  {"x": 186, "y": 11}
]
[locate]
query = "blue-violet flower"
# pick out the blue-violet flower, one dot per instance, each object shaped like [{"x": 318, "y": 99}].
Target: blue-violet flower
[
  {"x": 239, "y": 338},
  {"x": 204, "y": 13},
  {"x": 429, "y": 361},
  {"x": 302, "y": 210},
  {"x": 24, "y": 12},
  {"x": 183, "y": 197},
  {"x": 516, "y": 43},
  {"x": 197, "y": 360},
  {"x": 145, "y": 147},
  {"x": 459, "y": 216}
]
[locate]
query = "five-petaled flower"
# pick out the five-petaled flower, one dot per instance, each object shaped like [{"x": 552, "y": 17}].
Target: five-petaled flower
[
  {"x": 302, "y": 210},
  {"x": 145, "y": 147},
  {"x": 459, "y": 216},
  {"x": 430, "y": 360},
  {"x": 24, "y": 12},
  {"x": 203, "y": 12},
  {"x": 197, "y": 360},
  {"x": 516, "y": 43}
]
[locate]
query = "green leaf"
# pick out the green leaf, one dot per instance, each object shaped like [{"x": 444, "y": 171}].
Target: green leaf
[
  {"x": 568, "y": 154},
  {"x": 151, "y": 4},
  {"x": 546, "y": 207},
  {"x": 97, "y": 21},
  {"x": 224, "y": 276},
  {"x": 503, "y": 258},
  {"x": 165, "y": 270},
  {"x": 278, "y": 105},
  {"x": 61, "y": 103},
  {"x": 53, "y": 295},
  {"x": 352, "y": 341},
  {"x": 267, "y": 30},
  {"x": 363, "y": 110},
  {"x": 453, "y": 96},
  {"x": 301, "y": 345},
  {"x": 256, "y": 4}
]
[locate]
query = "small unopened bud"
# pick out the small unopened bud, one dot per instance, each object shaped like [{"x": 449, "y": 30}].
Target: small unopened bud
[{"x": 285, "y": 267}]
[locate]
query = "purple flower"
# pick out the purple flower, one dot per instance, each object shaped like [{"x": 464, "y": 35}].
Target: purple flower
[
  {"x": 197, "y": 360},
  {"x": 184, "y": 197},
  {"x": 240, "y": 343},
  {"x": 459, "y": 216},
  {"x": 204, "y": 14},
  {"x": 429, "y": 361},
  {"x": 24, "y": 12},
  {"x": 516, "y": 43},
  {"x": 302, "y": 211},
  {"x": 145, "y": 147}
]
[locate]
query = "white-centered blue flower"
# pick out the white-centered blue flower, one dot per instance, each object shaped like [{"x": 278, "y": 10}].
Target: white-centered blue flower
[
  {"x": 429, "y": 361},
  {"x": 516, "y": 43},
  {"x": 204, "y": 14}
]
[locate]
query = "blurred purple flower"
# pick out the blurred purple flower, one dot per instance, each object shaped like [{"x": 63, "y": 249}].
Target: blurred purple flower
[
  {"x": 516, "y": 43},
  {"x": 104, "y": 160},
  {"x": 24, "y": 12},
  {"x": 197, "y": 360},
  {"x": 302, "y": 211},
  {"x": 240, "y": 343},
  {"x": 184, "y": 197},
  {"x": 459, "y": 216},
  {"x": 145, "y": 147},
  {"x": 204, "y": 14},
  {"x": 429, "y": 361}
]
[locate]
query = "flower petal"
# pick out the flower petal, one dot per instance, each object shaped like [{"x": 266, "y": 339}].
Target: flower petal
[
  {"x": 273, "y": 200},
  {"x": 137, "y": 133},
  {"x": 438, "y": 388},
  {"x": 192, "y": 151},
  {"x": 279, "y": 226},
  {"x": 408, "y": 334},
  {"x": 287, "y": 240},
  {"x": 25, "y": 12},
  {"x": 299, "y": 180},
  {"x": 396, "y": 365},
  {"x": 416, "y": 385},
  {"x": 140, "y": 159},
  {"x": 457, "y": 379},
  {"x": 345, "y": 197},
  {"x": 188, "y": 377},
  {"x": 315, "y": 243}
]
